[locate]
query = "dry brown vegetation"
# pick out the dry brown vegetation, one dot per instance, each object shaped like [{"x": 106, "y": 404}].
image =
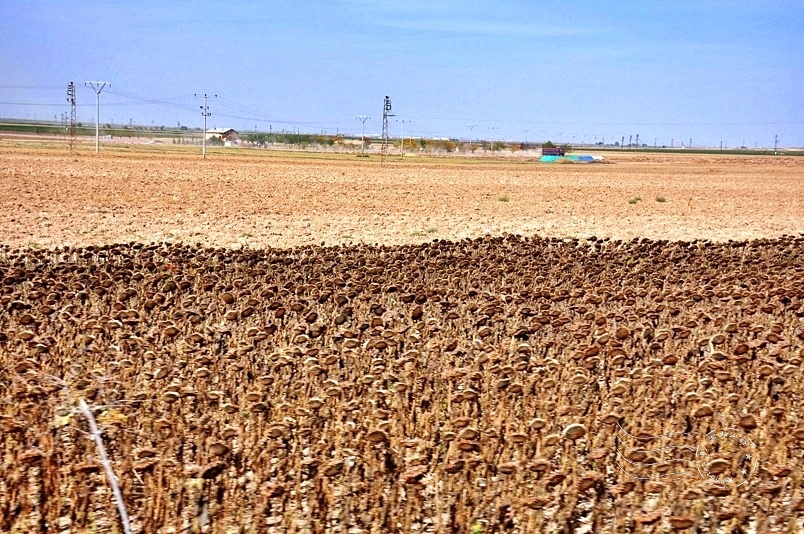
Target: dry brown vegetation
[{"x": 470, "y": 386}]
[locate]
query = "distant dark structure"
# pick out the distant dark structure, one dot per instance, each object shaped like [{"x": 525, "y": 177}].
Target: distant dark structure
[
  {"x": 386, "y": 112},
  {"x": 556, "y": 151},
  {"x": 71, "y": 100}
]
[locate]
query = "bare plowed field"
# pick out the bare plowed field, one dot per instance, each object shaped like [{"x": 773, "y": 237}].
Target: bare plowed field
[{"x": 49, "y": 199}]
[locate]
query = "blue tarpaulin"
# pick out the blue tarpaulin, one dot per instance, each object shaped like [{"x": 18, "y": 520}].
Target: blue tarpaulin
[{"x": 573, "y": 158}]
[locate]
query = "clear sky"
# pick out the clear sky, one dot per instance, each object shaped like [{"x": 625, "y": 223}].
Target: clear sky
[{"x": 709, "y": 70}]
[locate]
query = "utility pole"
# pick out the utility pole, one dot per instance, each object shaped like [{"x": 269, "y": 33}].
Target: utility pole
[
  {"x": 526, "y": 130},
  {"x": 492, "y": 128},
  {"x": 470, "y": 126},
  {"x": 386, "y": 112},
  {"x": 363, "y": 119},
  {"x": 71, "y": 100},
  {"x": 402, "y": 146},
  {"x": 97, "y": 87},
  {"x": 205, "y": 113},
  {"x": 775, "y": 145}
]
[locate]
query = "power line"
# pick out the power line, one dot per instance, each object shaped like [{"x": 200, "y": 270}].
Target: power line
[
  {"x": 243, "y": 109},
  {"x": 148, "y": 100},
  {"x": 239, "y": 111},
  {"x": 30, "y": 86},
  {"x": 612, "y": 123},
  {"x": 38, "y": 105}
]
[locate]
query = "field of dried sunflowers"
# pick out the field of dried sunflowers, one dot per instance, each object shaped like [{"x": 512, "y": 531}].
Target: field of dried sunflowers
[{"x": 479, "y": 385}]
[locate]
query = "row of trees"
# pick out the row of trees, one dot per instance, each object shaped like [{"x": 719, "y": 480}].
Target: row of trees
[
  {"x": 282, "y": 138},
  {"x": 430, "y": 145}
]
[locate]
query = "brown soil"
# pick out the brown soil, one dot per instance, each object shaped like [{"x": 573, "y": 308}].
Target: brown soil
[{"x": 49, "y": 198}]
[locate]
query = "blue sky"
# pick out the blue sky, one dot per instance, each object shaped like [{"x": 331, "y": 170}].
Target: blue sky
[{"x": 710, "y": 70}]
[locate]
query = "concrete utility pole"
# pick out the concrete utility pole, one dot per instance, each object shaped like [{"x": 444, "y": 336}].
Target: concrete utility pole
[
  {"x": 492, "y": 129},
  {"x": 470, "y": 126},
  {"x": 97, "y": 87},
  {"x": 205, "y": 113},
  {"x": 775, "y": 145},
  {"x": 402, "y": 146},
  {"x": 363, "y": 119}
]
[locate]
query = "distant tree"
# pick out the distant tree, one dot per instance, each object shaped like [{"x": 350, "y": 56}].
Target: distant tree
[
  {"x": 423, "y": 143},
  {"x": 450, "y": 146},
  {"x": 215, "y": 141},
  {"x": 548, "y": 144},
  {"x": 258, "y": 139}
]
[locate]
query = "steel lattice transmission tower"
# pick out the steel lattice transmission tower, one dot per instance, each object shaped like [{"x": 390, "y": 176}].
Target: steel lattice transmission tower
[
  {"x": 386, "y": 112},
  {"x": 71, "y": 100}
]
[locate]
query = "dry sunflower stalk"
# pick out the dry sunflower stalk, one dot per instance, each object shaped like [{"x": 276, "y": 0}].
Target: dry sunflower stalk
[{"x": 443, "y": 386}]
